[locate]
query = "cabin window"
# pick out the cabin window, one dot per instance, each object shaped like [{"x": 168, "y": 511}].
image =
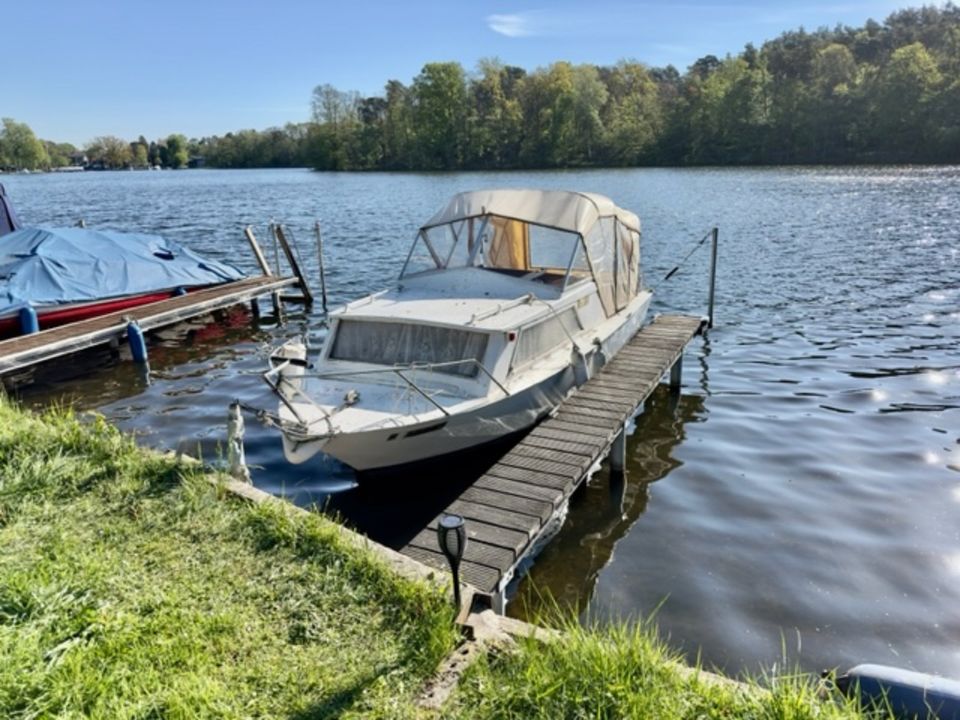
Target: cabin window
[
  {"x": 546, "y": 336},
  {"x": 402, "y": 344}
]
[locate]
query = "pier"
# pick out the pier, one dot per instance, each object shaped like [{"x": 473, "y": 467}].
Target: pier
[
  {"x": 22, "y": 352},
  {"x": 511, "y": 507}
]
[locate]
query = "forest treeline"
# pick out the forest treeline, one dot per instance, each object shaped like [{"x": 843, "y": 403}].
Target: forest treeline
[{"x": 884, "y": 92}]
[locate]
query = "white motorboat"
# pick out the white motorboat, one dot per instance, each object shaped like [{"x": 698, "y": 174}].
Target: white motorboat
[{"x": 507, "y": 301}]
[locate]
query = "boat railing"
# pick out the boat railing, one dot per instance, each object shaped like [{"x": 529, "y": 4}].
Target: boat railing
[{"x": 277, "y": 372}]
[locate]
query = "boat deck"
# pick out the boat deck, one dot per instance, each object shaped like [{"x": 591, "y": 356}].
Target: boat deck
[
  {"x": 21, "y": 352},
  {"x": 509, "y": 508}
]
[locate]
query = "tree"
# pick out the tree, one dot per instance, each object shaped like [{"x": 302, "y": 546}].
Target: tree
[
  {"x": 439, "y": 101},
  {"x": 335, "y": 115},
  {"x": 139, "y": 153},
  {"x": 398, "y": 134},
  {"x": 177, "y": 153},
  {"x": 589, "y": 97},
  {"x": 112, "y": 151},
  {"x": 902, "y": 94},
  {"x": 58, "y": 153},
  {"x": 835, "y": 97},
  {"x": 495, "y": 118},
  {"x": 633, "y": 116},
  {"x": 20, "y": 148}
]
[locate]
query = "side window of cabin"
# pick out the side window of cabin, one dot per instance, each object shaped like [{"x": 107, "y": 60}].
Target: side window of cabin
[{"x": 545, "y": 336}]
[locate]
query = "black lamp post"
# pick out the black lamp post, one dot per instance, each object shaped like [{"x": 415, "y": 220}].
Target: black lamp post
[{"x": 452, "y": 536}]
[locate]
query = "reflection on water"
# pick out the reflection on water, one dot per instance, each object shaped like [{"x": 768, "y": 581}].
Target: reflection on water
[{"x": 805, "y": 491}]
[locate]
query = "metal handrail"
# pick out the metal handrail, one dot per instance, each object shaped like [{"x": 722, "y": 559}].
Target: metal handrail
[
  {"x": 398, "y": 371},
  {"x": 412, "y": 366}
]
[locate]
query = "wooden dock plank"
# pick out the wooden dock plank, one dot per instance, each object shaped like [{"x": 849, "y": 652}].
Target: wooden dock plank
[
  {"x": 540, "y": 509},
  {"x": 519, "y": 474},
  {"x": 575, "y": 448},
  {"x": 551, "y": 431},
  {"x": 520, "y": 460},
  {"x": 501, "y": 517},
  {"x": 623, "y": 404},
  {"x": 534, "y": 452},
  {"x": 527, "y": 490},
  {"x": 520, "y": 492}
]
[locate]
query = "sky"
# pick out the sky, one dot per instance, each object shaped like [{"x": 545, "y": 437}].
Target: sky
[{"x": 78, "y": 69}]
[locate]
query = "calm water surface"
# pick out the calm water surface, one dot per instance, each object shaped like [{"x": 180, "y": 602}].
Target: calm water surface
[{"x": 802, "y": 497}]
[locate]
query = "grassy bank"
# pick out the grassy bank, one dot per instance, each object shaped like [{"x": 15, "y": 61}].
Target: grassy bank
[
  {"x": 624, "y": 671},
  {"x": 132, "y": 588}
]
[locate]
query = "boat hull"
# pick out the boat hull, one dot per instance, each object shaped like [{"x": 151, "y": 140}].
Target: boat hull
[
  {"x": 388, "y": 447},
  {"x": 443, "y": 435}
]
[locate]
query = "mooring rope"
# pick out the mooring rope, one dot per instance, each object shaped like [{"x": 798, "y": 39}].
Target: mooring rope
[{"x": 687, "y": 256}]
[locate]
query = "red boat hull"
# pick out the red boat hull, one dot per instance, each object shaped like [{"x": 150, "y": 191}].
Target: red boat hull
[{"x": 63, "y": 314}]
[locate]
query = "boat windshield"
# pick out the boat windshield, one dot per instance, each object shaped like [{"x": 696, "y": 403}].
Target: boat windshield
[
  {"x": 404, "y": 344},
  {"x": 498, "y": 243}
]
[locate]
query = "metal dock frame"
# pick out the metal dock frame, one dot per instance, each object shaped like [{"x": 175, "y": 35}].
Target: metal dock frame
[{"x": 511, "y": 507}]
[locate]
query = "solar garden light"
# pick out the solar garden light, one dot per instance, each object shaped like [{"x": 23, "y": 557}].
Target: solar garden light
[{"x": 452, "y": 536}]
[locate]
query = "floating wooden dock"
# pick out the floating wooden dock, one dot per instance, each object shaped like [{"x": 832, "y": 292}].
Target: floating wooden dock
[
  {"x": 22, "y": 352},
  {"x": 510, "y": 508}
]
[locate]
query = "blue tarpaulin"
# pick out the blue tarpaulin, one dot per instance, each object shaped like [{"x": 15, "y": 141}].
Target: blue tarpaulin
[
  {"x": 8, "y": 218},
  {"x": 57, "y": 266}
]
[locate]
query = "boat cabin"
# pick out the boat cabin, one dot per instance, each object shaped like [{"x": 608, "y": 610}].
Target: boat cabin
[
  {"x": 497, "y": 280},
  {"x": 553, "y": 237}
]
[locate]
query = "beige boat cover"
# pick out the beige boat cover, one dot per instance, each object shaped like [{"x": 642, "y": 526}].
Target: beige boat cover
[{"x": 571, "y": 211}]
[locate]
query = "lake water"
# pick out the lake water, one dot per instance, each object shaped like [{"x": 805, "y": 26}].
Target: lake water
[{"x": 801, "y": 498}]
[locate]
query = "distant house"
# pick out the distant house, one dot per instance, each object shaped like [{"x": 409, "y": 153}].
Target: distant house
[
  {"x": 197, "y": 161},
  {"x": 79, "y": 159}
]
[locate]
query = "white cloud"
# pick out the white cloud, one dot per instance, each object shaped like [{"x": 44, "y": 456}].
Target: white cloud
[{"x": 511, "y": 25}]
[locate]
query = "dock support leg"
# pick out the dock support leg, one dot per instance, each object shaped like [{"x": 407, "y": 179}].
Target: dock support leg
[
  {"x": 618, "y": 453},
  {"x": 277, "y": 308},
  {"x": 29, "y": 323},
  {"x": 715, "y": 233},
  {"x": 138, "y": 343},
  {"x": 676, "y": 373}
]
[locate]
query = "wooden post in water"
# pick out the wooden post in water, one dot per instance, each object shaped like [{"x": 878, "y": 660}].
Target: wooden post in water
[
  {"x": 294, "y": 265},
  {"x": 257, "y": 252},
  {"x": 713, "y": 273},
  {"x": 618, "y": 452},
  {"x": 676, "y": 375},
  {"x": 265, "y": 268},
  {"x": 323, "y": 277}
]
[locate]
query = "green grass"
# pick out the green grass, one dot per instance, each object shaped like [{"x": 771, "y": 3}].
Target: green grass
[
  {"x": 625, "y": 671},
  {"x": 130, "y": 587}
]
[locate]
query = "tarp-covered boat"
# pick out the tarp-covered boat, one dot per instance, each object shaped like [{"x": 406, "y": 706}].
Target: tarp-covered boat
[{"x": 70, "y": 274}]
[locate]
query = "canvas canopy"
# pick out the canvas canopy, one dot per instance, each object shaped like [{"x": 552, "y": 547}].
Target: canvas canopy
[
  {"x": 54, "y": 266},
  {"x": 550, "y": 236},
  {"x": 571, "y": 211}
]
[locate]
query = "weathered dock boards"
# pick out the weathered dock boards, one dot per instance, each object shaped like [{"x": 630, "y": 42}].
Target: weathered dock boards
[
  {"x": 26, "y": 350},
  {"x": 509, "y": 507}
]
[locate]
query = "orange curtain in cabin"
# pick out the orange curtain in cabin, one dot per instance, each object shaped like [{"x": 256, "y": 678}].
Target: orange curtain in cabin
[{"x": 510, "y": 247}]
